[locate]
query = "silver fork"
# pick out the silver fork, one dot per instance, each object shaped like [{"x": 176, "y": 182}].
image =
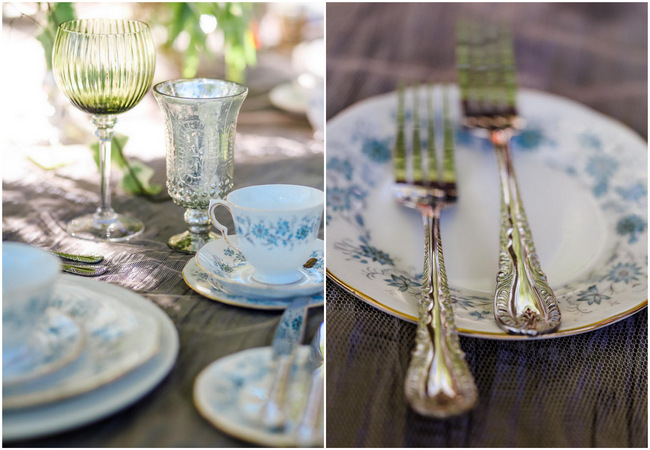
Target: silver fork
[
  {"x": 438, "y": 381},
  {"x": 523, "y": 302}
]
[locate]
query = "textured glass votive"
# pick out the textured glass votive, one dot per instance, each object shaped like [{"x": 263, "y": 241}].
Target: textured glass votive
[{"x": 200, "y": 127}]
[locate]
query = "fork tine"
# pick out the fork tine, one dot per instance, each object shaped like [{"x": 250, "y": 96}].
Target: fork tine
[
  {"x": 432, "y": 170},
  {"x": 416, "y": 145},
  {"x": 448, "y": 164},
  {"x": 399, "y": 158}
]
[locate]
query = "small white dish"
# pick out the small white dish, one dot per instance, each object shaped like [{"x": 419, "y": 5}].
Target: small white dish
[
  {"x": 205, "y": 284},
  {"x": 119, "y": 340},
  {"x": 289, "y": 97},
  {"x": 82, "y": 409},
  {"x": 55, "y": 342},
  {"x": 219, "y": 387},
  {"x": 230, "y": 270}
]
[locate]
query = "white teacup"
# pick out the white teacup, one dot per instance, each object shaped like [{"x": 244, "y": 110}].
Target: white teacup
[
  {"x": 276, "y": 226},
  {"x": 28, "y": 277}
]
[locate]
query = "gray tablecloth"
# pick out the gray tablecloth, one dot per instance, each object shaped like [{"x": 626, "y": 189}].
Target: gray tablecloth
[
  {"x": 272, "y": 147},
  {"x": 580, "y": 391}
]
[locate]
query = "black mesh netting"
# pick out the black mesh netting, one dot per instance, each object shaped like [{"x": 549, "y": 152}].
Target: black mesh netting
[{"x": 577, "y": 391}]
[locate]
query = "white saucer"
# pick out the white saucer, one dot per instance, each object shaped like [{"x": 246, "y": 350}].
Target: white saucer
[
  {"x": 203, "y": 283},
  {"x": 56, "y": 341},
  {"x": 218, "y": 387},
  {"x": 119, "y": 339},
  {"x": 288, "y": 97},
  {"x": 110, "y": 398},
  {"x": 233, "y": 273}
]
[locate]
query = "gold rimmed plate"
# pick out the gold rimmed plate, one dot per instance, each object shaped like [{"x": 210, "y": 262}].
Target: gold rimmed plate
[{"x": 583, "y": 178}]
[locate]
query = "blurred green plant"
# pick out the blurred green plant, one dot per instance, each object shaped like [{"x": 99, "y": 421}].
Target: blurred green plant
[
  {"x": 232, "y": 19},
  {"x": 57, "y": 13}
]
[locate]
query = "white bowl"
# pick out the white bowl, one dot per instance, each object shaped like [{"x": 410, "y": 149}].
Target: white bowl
[{"x": 28, "y": 277}]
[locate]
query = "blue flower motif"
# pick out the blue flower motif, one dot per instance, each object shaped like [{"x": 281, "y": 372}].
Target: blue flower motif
[
  {"x": 529, "y": 139},
  {"x": 591, "y": 296},
  {"x": 338, "y": 199},
  {"x": 624, "y": 272},
  {"x": 377, "y": 151},
  {"x": 282, "y": 228},
  {"x": 374, "y": 254},
  {"x": 631, "y": 225},
  {"x": 633, "y": 193},
  {"x": 229, "y": 252},
  {"x": 302, "y": 232},
  {"x": 479, "y": 315},
  {"x": 401, "y": 282},
  {"x": 296, "y": 323},
  {"x": 590, "y": 140},
  {"x": 344, "y": 167},
  {"x": 465, "y": 138},
  {"x": 259, "y": 230},
  {"x": 602, "y": 167}
]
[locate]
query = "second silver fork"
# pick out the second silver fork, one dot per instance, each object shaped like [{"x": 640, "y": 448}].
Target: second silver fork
[{"x": 438, "y": 381}]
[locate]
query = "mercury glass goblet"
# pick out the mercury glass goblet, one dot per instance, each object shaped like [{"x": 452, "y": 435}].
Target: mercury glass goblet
[
  {"x": 200, "y": 124},
  {"x": 104, "y": 67}
]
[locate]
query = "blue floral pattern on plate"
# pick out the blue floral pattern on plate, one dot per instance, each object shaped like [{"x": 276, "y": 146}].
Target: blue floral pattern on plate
[
  {"x": 604, "y": 161},
  {"x": 227, "y": 392},
  {"x": 118, "y": 340}
]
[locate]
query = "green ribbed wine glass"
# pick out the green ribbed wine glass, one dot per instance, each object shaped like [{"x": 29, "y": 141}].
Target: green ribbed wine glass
[{"x": 104, "y": 67}]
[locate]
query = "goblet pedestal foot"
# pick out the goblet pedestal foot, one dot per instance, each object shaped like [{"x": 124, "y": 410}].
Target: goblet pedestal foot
[
  {"x": 190, "y": 243},
  {"x": 101, "y": 227}
]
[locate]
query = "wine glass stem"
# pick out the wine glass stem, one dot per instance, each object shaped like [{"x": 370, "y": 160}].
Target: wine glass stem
[{"x": 104, "y": 131}]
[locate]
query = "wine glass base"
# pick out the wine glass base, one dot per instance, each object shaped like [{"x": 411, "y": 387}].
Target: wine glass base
[
  {"x": 190, "y": 243},
  {"x": 118, "y": 228}
]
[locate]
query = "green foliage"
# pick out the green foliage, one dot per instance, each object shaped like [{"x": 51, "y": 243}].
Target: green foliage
[
  {"x": 233, "y": 19},
  {"x": 137, "y": 176},
  {"x": 57, "y": 14}
]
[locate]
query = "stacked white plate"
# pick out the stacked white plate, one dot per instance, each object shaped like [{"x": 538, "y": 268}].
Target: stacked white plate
[{"x": 98, "y": 349}]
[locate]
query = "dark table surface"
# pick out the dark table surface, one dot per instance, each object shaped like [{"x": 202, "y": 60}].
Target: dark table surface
[
  {"x": 272, "y": 147},
  {"x": 581, "y": 391}
]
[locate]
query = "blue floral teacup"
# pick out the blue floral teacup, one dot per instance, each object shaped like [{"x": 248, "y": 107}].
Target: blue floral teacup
[
  {"x": 276, "y": 227},
  {"x": 28, "y": 277}
]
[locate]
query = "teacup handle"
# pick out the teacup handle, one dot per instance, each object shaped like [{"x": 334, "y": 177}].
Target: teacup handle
[{"x": 223, "y": 229}]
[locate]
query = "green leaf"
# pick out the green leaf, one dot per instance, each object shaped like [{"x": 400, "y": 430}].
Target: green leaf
[
  {"x": 118, "y": 142},
  {"x": 142, "y": 180}
]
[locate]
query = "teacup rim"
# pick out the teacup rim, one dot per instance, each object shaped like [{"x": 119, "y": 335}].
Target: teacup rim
[
  {"x": 50, "y": 272},
  {"x": 319, "y": 205}
]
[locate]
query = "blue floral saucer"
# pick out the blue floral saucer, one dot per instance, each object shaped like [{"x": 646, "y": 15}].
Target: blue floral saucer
[
  {"x": 231, "y": 272},
  {"x": 205, "y": 284},
  {"x": 218, "y": 396},
  {"x": 56, "y": 341}
]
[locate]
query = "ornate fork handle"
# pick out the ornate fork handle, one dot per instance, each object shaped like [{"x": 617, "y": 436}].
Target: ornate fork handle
[
  {"x": 438, "y": 381},
  {"x": 523, "y": 302}
]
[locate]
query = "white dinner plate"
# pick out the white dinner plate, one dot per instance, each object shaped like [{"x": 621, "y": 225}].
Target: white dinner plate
[
  {"x": 82, "y": 409},
  {"x": 583, "y": 180},
  {"x": 118, "y": 340}
]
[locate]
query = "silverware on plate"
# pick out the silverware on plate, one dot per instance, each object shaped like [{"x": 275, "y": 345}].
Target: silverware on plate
[
  {"x": 311, "y": 421},
  {"x": 523, "y": 302},
  {"x": 438, "y": 381},
  {"x": 286, "y": 340}
]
